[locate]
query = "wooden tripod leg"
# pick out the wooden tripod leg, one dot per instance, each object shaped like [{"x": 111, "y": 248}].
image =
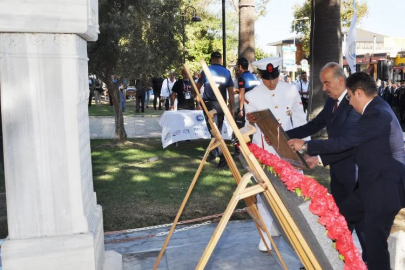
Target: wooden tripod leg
[
  {"x": 260, "y": 225},
  {"x": 224, "y": 220},
  {"x": 190, "y": 189},
  {"x": 266, "y": 230},
  {"x": 248, "y": 200}
]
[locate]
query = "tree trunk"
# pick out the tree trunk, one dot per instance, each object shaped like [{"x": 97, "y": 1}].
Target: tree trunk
[
  {"x": 120, "y": 133},
  {"x": 326, "y": 46},
  {"x": 247, "y": 29}
]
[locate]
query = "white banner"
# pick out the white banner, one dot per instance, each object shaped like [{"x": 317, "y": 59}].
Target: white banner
[{"x": 350, "y": 50}]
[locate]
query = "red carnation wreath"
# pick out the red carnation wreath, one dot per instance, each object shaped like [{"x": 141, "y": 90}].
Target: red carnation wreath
[{"x": 322, "y": 205}]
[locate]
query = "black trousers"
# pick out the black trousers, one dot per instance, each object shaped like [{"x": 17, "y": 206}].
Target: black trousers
[
  {"x": 340, "y": 192},
  {"x": 218, "y": 120},
  {"x": 91, "y": 95},
  {"x": 140, "y": 103},
  {"x": 304, "y": 103},
  {"x": 167, "y": 104},
  {"x": 155, "y": 98},
  {"x": 377, "y": 230}
]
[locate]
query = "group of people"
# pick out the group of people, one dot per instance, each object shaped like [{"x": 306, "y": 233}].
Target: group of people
[
  {"x": 394, "y": 95},
  {"x": 364, "y": 149},
  {"x": 174, "y": 94},
  {"x": 95, "y": 90}
]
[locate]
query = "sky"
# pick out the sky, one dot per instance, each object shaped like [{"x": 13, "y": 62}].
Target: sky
[{"x": 384, "y": 17}]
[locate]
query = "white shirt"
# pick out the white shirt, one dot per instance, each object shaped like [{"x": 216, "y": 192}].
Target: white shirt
[
  {"x": 342, "y": 96},
  {"x": 365, "y": 106},
  {"x": 167, "y": 88},
  {"x": 285, "y": 104},
  {"x": 305, "y": 86}
]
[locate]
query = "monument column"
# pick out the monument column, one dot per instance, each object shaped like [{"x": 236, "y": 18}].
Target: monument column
[{"x": 54, "y": 221}]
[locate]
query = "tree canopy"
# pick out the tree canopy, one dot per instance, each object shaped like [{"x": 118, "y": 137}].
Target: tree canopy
[
  {"x": 143, "y": 39},
  {"x": 346, "y": 12}
]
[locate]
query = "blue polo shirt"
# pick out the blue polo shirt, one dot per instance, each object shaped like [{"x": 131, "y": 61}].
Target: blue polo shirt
[
  {"x": 248, "y": 81},
  {"x": 222, "y": 78}
]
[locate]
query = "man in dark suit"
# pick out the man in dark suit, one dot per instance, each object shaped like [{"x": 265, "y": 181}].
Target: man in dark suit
[
  {"x": 157, "y": 87},
  {"x": 337, "y": 116},
  {"x": 379, "y": 154}
]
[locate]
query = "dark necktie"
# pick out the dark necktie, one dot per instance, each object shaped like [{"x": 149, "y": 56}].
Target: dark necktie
[{"x": 335, "y": 106}]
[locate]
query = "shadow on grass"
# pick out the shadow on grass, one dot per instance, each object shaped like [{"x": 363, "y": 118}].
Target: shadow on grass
[{"x": 140, "y": 184}]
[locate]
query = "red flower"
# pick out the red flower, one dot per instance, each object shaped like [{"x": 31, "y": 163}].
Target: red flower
[{"x": 322, "y": 204}]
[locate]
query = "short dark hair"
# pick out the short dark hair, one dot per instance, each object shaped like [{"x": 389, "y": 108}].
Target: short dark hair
[
  {"x": 216, "y": 55},
  {"x": 363, "y": 81},
  {"x": 243, "y": 62},
  {"x": 304, "y": 72}
]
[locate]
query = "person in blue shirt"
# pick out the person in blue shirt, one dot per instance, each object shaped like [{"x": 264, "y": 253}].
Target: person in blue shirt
[
  {"x": 223, "y": 79},
  {"x": 246, "y": 82}
]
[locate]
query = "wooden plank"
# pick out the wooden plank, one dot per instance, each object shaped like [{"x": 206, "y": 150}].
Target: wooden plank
[{"x": 270, "y": 127}]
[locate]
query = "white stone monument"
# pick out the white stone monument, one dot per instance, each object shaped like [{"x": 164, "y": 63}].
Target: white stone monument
[{"x": 54, "y": 221}]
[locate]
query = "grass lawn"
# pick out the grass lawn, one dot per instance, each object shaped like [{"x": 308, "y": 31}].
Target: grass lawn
[
  {"x": 140, "y": 184},
  {"x": 105, "y": 110}
]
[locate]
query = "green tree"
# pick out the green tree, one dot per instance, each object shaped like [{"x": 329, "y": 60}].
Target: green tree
[
  {"x": 205, "y": 37},
  {"x": 346, "y": 12},
  {"x": 260, "y": 54},
  {"x": 138, "y": 39}
]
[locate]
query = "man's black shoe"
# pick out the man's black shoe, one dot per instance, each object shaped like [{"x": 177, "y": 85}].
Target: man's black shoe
[
  {"x": 236, "y": 154},
  {"x": 211, "y": 158},
  {"x": 222, "y": 163}
]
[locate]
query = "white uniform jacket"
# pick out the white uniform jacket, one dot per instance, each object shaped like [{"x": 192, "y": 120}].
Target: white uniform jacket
[{"x": 284, "y": 102}]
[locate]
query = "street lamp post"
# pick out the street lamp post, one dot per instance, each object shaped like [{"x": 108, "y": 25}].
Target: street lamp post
[{"x": 194, "y": 18}]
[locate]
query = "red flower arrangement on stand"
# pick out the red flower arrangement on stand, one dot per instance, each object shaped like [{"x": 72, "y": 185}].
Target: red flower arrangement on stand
[{"x": 322, "y": 205}]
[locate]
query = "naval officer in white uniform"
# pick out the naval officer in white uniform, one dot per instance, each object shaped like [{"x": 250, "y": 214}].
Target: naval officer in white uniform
[{"x": 285, "y": 103}]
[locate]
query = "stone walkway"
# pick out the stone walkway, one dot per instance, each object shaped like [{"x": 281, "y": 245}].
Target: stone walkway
[
  {"x": 135, "y": 126},
  {"x": 236, "y": 249}
]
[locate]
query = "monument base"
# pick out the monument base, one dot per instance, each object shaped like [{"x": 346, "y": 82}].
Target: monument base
[
  {"x": 77, "y": 251},
  {"x": 112, "y": 260}
]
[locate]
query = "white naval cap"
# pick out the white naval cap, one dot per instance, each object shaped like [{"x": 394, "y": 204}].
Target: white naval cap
[
  {"x": 262, "y": 64},
  {"x": 269, "y": 67}
]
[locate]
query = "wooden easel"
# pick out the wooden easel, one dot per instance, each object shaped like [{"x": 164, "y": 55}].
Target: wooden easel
[{"x": 243, "y": 191}]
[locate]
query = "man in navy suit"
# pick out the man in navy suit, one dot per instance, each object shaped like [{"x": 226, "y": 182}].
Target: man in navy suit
[
  {"x": 337, "y": 116},
  {"x": 379, "y": 154}
]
